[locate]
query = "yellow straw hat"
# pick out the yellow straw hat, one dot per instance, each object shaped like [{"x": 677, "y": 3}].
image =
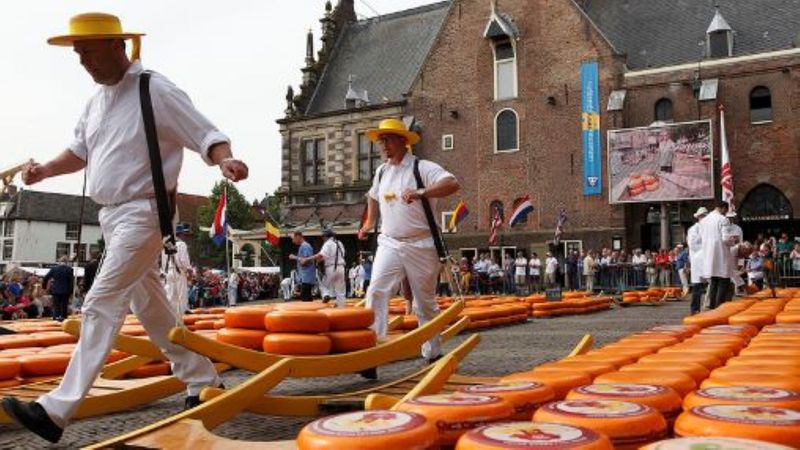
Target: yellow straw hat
[
  {"x": 90, "y": 26},
  {"x": 392, "y": 126}
]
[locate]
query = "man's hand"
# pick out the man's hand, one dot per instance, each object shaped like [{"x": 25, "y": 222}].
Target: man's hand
[
  {"x": 34, "y": 173},
  {"x": 363, "y": 233},
  {"x": 410, "y": 196},
  {"x": 234, "y": 169}
]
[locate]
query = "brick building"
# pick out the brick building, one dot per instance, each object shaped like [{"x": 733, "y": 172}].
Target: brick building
[{"x": 497, "y": 100}]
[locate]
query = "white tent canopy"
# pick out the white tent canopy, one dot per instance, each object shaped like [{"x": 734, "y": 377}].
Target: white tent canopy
[{"x": 266, "y": 270}]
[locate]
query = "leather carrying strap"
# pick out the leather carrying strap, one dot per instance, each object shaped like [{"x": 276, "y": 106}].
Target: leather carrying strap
[
  {"x": 156, "y": 169},
  {"x": 426, "y": 205}
]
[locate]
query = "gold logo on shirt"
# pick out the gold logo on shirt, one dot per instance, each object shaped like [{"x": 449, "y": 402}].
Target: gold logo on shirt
[{"x": 389, "y": 197}]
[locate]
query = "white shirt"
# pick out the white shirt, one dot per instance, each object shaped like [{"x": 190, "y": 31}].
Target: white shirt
[
  {"x": 588, "y": 265},
  {"x": 521, "y": 264},
  {"x": 535, "y": 265},
  {"x": 398, "y": 219},
  {"x": 181, "y": 259},
  {"x": 639, "y": 259},
  {"x": 695, "y": 241},
  {"x": 551, "y": 264},
  {"x": 715, "y": 250},
  {"x": 110, "y": 137},
  {"x": 329, "y": 252}
]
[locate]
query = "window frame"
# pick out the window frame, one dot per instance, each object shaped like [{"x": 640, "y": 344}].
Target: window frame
[
  {"x": 318, "y": 163},
  {"x": 497, "y": 135},
  {"x": 71, "y": 231},
  {"x": 445, "y": 139},
  {"x": 8, "y": 228},
  {"x": 7, "y": 244},
  {"x": 60, "y": 252},
  {"x": 495, "y": 64},
  {"x": 446, "y": 217},
  {"x": 751, "y": 109},
  {"x": 373, "y": 158}
]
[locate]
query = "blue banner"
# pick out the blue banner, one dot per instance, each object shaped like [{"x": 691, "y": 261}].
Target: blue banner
[{"x": 590, "y": 122}]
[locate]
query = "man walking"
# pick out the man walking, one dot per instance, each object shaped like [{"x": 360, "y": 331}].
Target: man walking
[
  {"x": 406, "y": 247},
  {"x": 306, "y": 269},
  {"x": 695, "y": 242},
  {"x": 176, "y": 269},
  {"x": 716, "y": 253},
  {"x": 332, "y": 257},
  {"x": 110, "y": 143},
  {"x": 60, "y": 283}
]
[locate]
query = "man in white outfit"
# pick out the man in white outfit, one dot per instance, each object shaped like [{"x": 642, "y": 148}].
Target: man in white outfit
[
  {"x": 695, "y": 241},
  {"x": 233, "y": 288},
  {"x": 733, "y": 235},
  {"x": 110, "y": 143},
  {"x": 332, "y": 257},
  {"x": 716, "y": 253},
  {"x": 176, "y": 282},
  {"x": 406, "y": 247},
  {"x": 287, "y": 287}
]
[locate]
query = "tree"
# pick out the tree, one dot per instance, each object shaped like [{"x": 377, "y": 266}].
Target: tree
[{"x": 239, "y": 216}]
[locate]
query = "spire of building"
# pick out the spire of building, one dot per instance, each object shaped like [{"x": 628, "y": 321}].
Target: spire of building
[{"x": 310, "y": 48}]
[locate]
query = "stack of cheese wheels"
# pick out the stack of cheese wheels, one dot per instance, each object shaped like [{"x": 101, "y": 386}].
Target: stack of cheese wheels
[
  {"x": 296, "y": 331},
  {"x": 744, "y": 395},
  {"x": 777, "y": 425},
  {"x": 718, "y": 316},
  {"x": 628, "y": 425},
  {"x": 533, "y": 436},
  {"x": 663, "y": 399},
  {"x": 714, "y": 443},
  {"x": 710, "y": 362},
  {"x": 560, "y": 381},
  {"x": 455, "y": 414},
  {"x": 525, "y": 396},
  {"x": 681, "y": 383},
  {"x": 349, "y": 329},
  {"x": 779, "y": 381},
  {"x": 244, "y": 327},
  {"x": 9, "y": 369},
  {"x": 152, "y": 369},
  {"x": 369, "y": 430}
]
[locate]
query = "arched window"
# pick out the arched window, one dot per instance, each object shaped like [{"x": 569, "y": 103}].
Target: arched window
[
  {"x": 505, "y": 70},
  {"x": 496, "y": 206},
  {"x": 765, "y": 202},
  {"x": 506, "y": 131},
  {"x": 663, "y": 110},
  {"x": 760, "y": 105}
]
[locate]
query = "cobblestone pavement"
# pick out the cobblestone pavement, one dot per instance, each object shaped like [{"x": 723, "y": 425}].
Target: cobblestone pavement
[{"x": 501, "y": 351}]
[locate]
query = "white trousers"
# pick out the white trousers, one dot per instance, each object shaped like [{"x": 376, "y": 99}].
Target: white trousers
[
  {"x": 177, "y": 287},
  {"x": 127, "y": 279},
  {"x": 395, "y": 261},
  {"x": 333, "y": 285},
  {"x": 286, "y": 289}
]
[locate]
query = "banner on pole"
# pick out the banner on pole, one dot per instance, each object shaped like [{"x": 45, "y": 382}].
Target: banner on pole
[{"x": 590, "y": 122}]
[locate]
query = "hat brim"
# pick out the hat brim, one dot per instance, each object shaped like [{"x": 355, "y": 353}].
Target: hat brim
[
  {"x": 69, "y": 39},
  {"x": 375, "y": 133}
]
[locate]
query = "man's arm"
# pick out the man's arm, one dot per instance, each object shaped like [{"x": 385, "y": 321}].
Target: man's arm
[
  {"x": 372, "y": 216},
  {"x": 442, "y": 188},
  {"x": 66, "y": 162}
]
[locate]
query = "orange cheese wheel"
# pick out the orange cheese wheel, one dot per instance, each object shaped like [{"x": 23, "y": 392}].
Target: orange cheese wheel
[
  {"x": 560, "y": 382},
  {"x": 783, "y": 361},
  {"x": 300, "y": 306},
  {"x": 294, "y": 321},
  {"x": 343, "y": 319},
  {"x": 369, "y": 430},
  {"x": 133, "y": 330},
  {"x": 648, "y": 345},
  {"x": 616, "y": 360},
  {"x": 525, "y": 396},
  {"x": 777, "y": 425},
  {"x": 698, "y": 372},
  {"x": 705, "y": 320},
  {"x": 455, "y": 414},
  {"x": 50, "y": 338},
  {"x": 681, "y": 330},
  {"x": 756, "y": 370},
  {"x": 650, "y": 338},
  {"x": 744, "y": 330},
  {"x": 713, "y": 443},
  {"x": 219, "y": 324},
  {"x": 9, "y": 369},
  {"x": 150, "y": 370},
  {"x": 296, "y": 344},
  {"x": 709, "y": 361},
  {"x": 744, "y": 395},
  {"x": 791, "y": 383},
  {"x": 631, "y": 352},
  {"x": 17, "y": 341},
  {"x": 61, "y": 348},
  {"x": 241, "y": 337},
  {"x": 682, "y": 384},
  {"x": 592, "y": 368},
  {"x": 628, "y": 425},
  {"x": 351, "y": 340},
  {"x": 533, "y": 436},
  {"x": 41, "y": 379},
  {"x": 115, "y": 355},
  {"x": 757, "y": 320},
  {"x": 204, "y": 325},
  {"x": 722, "y": 353},
  {"x": 245, "y": 317},
  {"x": 5, "y": 384},
  {"x": 730, "y": 342},
  {"x": 16, "y": 352},
  {"x": 43, "y": 364},
  {"x": 663, "y": 399},
  {"x": 772, "y": 351}
]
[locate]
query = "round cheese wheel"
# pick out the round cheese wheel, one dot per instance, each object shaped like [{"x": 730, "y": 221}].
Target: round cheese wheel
[
  {"x": 593, "y": 368},
  {"x": 663, "y": 399},
  {"x": 684, "y": 331},
  {"x": 616, "y": 360},
  {"x": 772, "y": 351},
  {"x": 296, "y": 344},
  {"x": 630, "y": 352},
  {"x": 560, "y": 382},
  {"x": 713, "y": 443},
  {"x": 343, "y": 319},
  {"x": 777, "y": 425},
  {"x": 133, "y": 330},
  {"x": 722, "y": 353},
  {"x": 61, "y": 348},
  {"x": 245, "y": 317},
  {"x": 757, "y": 320},
  {"x": 204, "y": 325},
  {"x": 744, "y": 330},
  {"x": 43, "y": 364},
  {"x": 745, "y": 395},
  {"x": 41, "y": 379},
  {"x": 9, "y": 369},
  {"x": 753, "y": 360},
  {"x": 292, "y": 321},
  {"x": 791, "y": 383},
  {"x": 533, "y": 436},
  {"x": 709, "y": 361},
  {"x": 682, "y": 384},
  {"x": 13, "y": 353},
  {"x": 755, "y": 370},
  {"x": 5, "y": 384},
  {"x": 525, "y": 396},
  {"x": 369, "y": 430},
  {"x": 628, "y": 425},
  {"x": 650, "y": 338},
  {"x": 50, "y": 338},
  {"x": 698, "y": 372},
  {"x": 707, "y": 319},
  {"x": 17, "y": 341},
  {"x": 351, "y": 340},
  {"x": 455, "y": 414},
  {"x": 241, "y": 337},
  {"x": 150, "y": 370},
  {"x": 300, "y": 306}
]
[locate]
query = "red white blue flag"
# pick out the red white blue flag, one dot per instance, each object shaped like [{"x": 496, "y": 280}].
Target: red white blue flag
[
  {"x": 219, "y": 226},
  {"x": 524, "y": 207},
  {"x": 726, "y": 174}
]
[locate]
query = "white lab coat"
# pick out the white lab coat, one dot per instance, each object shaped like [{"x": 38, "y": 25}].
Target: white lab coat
[
  {"x": 695, "y": 241},
  {"x": 716, "y": 251}
]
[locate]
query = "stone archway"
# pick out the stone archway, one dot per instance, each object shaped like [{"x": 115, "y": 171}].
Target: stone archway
[{"x": 766, "y": 210}]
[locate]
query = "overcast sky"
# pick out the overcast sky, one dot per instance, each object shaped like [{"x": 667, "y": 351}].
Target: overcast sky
[{"x": 234, "y": 59}]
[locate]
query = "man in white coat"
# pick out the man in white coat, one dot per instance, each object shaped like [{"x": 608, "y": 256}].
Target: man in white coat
[
  {"x": 733, "y": 235},
  {"x": 695, "y": 241},
  {"x": 110, "y": 143},
  {"x": 332, "y": 256},
  {"x": 176, "y": 282},
  {"x": 716, "y": 254},
  {"x": 406, "y": 247}
]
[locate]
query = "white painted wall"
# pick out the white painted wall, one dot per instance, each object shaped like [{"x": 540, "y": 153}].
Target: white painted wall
[{"x": 35, "y": 242}]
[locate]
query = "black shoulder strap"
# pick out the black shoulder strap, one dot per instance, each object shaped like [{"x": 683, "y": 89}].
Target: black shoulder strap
[
  {"x": 426, "y": 205},
  {"x": 380, "y": 178},
  {"x": 156, "y": 170}
]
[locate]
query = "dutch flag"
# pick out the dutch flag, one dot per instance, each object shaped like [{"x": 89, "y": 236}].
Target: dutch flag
[
  {"x": 219, "y": 226},
  {"x": 521, "y": 211}
]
